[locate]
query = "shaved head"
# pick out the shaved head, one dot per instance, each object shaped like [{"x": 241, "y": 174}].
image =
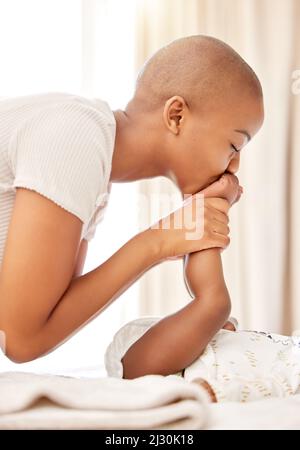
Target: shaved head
[
  {"x": 201, "y": 69},
  {"x": 196, "y": 105}
]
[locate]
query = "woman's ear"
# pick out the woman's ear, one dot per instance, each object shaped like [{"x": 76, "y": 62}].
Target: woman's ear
[{"x": 174, "y": 113}]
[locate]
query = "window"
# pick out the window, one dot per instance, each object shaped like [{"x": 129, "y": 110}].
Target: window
[{"x": 83, "y": 47}]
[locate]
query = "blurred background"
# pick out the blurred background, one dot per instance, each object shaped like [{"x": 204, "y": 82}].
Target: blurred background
[{"x": 96, "y": 48}]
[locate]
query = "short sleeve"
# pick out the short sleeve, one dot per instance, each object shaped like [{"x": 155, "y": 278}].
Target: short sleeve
[
  {"x": 60, "y": 153},
  {"x": 98, "y": 216}
]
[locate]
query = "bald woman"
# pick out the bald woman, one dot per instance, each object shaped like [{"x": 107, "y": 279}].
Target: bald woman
[{"x": 196, "y": 104}]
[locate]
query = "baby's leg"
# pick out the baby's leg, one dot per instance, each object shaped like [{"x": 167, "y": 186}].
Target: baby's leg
[
  {"x": 203, "y": 271},
  {"x": 178, "y": 339},
  {"x": 204, "y": 268}
]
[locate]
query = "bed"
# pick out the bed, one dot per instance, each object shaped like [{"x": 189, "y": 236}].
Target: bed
[
  {"x": 87, "y": 399},
  {"x": 269, "y": 414}
]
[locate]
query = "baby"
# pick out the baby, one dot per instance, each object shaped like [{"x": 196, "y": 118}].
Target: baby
[{"x": 200, "y": 342}]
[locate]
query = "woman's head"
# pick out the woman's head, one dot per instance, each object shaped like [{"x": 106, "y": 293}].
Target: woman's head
[{"x": 205, "y": 103}]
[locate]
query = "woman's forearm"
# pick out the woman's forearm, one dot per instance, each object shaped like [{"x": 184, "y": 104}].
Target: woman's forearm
[
  {"x": 91, "y": 293},
  {"x": 178, "y": 339}
]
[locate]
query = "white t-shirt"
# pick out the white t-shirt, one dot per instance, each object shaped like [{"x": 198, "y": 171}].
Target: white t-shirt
[{"x": 60, "y": 145}]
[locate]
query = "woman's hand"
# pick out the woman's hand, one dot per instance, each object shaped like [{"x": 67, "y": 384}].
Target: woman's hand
[{"x": 201, "y": 223}]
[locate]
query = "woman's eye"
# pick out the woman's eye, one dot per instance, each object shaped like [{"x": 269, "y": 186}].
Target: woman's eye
[{"x": 234, "y": 148}]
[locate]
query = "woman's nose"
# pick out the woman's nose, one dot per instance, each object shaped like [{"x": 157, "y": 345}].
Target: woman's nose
[{"x": 234, "y": 164}]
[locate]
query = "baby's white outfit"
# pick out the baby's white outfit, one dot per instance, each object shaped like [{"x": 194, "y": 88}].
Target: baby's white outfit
[{"x": 240, "y": 366}]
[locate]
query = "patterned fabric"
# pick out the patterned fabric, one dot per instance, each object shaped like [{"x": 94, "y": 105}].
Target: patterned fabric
[{"x": 249, "y": 365}]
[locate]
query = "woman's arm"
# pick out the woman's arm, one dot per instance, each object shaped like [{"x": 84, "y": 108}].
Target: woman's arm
[
  {"x": 86, "y": 296},
  {"x": 41, "y": 305},
  {"x": 80, "y": 259},
  {"x": 178, "y": 339}
]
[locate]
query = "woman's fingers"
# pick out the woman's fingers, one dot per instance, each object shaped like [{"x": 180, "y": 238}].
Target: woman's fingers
[{"x": 219, "y": 227}]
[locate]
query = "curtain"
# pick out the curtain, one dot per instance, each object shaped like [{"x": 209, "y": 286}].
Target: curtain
[{"x": 260, "y": 265}]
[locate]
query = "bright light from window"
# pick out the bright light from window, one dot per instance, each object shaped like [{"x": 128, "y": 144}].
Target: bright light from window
[{"x": 83, "y": 47}]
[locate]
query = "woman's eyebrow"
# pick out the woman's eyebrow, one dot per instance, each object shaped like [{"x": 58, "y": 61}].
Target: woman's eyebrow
[{"x": 245, "y": 133}]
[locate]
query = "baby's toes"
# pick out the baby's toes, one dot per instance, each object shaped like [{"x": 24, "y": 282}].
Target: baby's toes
[
  {"x": 228, "y": 182},
  {"x": 232, "y": 177}
]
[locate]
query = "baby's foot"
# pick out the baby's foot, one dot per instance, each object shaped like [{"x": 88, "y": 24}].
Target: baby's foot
[{"x": 226, "y": 187}]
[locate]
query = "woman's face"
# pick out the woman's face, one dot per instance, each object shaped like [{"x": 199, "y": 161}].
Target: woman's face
[{"x": 208, "y": 146}]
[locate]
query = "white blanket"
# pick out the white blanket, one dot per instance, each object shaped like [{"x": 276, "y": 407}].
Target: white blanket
[{"x": 33, "y": 401}]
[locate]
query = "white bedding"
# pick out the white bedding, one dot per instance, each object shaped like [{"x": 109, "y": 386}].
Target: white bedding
[
  {"x": 165, "y": 403},
  {"x": 41, "y": 401},
  {"x": 269, "y": 414}
]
